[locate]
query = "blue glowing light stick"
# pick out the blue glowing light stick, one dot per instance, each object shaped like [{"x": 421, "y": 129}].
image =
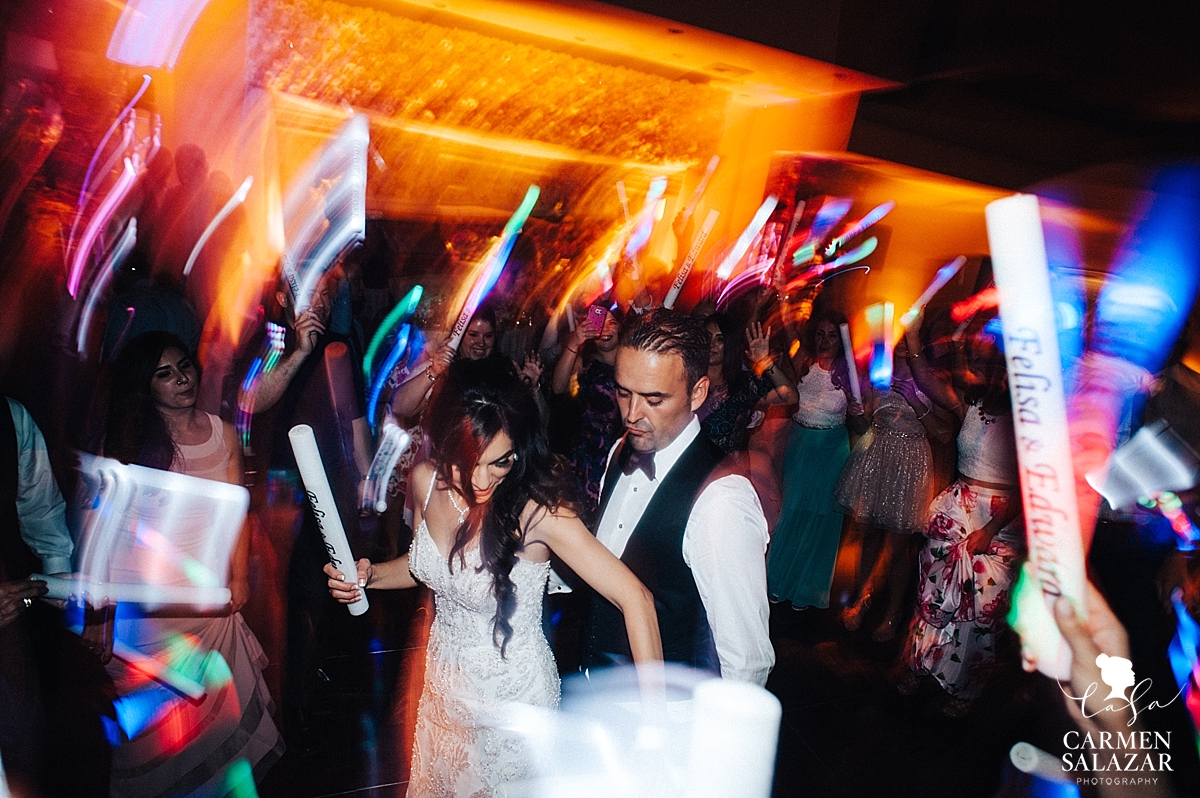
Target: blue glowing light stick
[
  {"x": 830, "y": 213},
  {"x": 388, "y": 364},
  {"x": 404, "y": 308},
  {"x": 493, "y": 265}
]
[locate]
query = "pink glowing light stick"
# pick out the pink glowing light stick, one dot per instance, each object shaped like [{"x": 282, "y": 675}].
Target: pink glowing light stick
[
  {"x": 100, "y": 219},
  {"x": 943, "y": 276}
]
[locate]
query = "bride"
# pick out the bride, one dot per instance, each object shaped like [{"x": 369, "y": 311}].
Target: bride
[{"x": 492, "y": 509}]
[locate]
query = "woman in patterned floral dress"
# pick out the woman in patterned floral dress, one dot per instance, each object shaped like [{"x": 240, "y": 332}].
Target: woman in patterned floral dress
[{"x": 974, "y": 540}]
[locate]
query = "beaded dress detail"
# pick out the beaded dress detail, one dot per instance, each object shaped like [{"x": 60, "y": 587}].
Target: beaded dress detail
[
  {"x": 886, "y": 482},
  {"x": 459, "y": 747}
]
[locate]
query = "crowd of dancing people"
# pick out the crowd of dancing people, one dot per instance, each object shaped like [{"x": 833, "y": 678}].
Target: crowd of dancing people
[{"x": 626, "y": 475}]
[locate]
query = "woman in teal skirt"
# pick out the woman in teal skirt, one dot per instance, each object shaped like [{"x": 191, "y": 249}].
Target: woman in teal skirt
[{"x": 805, "y": 542}]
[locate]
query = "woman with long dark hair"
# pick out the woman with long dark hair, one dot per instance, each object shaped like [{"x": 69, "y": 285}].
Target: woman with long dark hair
[
  {"x": 153, "y": 421},
  {"x": 491, "y": 506},
  {"x": 804, "y": 545},
  {"x": 734, "y": 392}
]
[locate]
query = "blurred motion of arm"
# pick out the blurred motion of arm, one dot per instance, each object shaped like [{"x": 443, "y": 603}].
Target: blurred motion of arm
[{"x": 40, "y": 505}]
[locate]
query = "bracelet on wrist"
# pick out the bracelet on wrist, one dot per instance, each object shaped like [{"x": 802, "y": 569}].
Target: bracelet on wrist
[
  {"x": 928, "y": 410},
  {"x": 572, "y": 351},
  {"x": 432, "y": 377}
]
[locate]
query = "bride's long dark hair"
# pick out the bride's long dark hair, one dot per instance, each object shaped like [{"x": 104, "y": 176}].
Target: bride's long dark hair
[{"x": 469, "y": 406}]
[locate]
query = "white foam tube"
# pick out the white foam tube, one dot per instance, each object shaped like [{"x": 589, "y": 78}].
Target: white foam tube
[
  {"x": 1036, "y": 762},
  {"x": 686, "y": 268},
  {"x": 851, "y": 366},
  {"x": 735, "y": 731},
  {"x": 1035, "y": 381},
  {"x": 64, "y": 589},
  {"x": 320, "y": 495}
]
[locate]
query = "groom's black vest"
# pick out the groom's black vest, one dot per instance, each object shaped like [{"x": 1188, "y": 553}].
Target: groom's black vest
[{"x": 655, "y": 555}]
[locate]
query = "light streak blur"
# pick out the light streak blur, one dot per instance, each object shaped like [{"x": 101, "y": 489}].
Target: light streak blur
[
  {"x": 857, "y": 228},
  {"x": 690, "y": 208},
  {"x": 392, "y": 444},
  {"x": 943, "y": 276},
  {"x": 84, "y": 195},
  {"x": 643, "y": 223},
  {"x": 832, "y": 211},
  {"x": 104, "y": 276},
  {"x": 492, "y": 265},
  {"x": 398, "y": 349},
  {"x": 151, "y": 33},
  {"x": 880, "y": 322},
  {"x": 325, "y": 208},
  {"x": 262, "y": 365},
  {"x": 863, "y": 250},
  {"x": 1183, "y": 652},
  {"x": 404, "y": 308},
  {"x": 95, "y": 225},
  {"x": 740, "y": 247},
  {"x": 143, "y": 524},
  {"x": 237, "y": 199}
]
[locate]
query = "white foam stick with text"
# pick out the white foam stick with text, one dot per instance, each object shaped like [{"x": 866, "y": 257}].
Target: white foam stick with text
[
  {"x": 1035, "y": 382},
  {"x": 320, "y": 495},
  {"x": 686, "y": 267},
  {"x": 851, "y": 366}
]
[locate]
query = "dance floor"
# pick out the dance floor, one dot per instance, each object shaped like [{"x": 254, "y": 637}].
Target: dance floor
[{"x": 846, "y": 731}]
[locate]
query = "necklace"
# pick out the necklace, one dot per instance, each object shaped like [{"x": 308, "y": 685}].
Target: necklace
[
  {"x": 462, "y": 511},
  {"x": 984, "y": 416}
]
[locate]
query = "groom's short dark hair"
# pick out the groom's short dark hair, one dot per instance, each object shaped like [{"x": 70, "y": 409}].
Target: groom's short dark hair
[{"x": 664, "y": 331}]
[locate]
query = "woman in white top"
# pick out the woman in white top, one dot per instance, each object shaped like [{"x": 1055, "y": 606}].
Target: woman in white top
[
  {"x": 805, "y": 542},
  {"x": 974, "y": 540}
]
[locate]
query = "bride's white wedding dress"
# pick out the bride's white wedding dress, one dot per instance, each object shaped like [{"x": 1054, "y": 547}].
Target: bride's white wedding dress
[{"x": 457, "y": 751}]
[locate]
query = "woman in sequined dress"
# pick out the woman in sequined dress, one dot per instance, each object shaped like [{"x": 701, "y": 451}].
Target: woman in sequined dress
[
  {"x": 886, "y": 486},
  {"x": 491, "y": 509}
]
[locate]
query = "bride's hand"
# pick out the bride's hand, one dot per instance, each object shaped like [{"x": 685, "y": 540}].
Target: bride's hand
[{"x": 348, "y": 592}]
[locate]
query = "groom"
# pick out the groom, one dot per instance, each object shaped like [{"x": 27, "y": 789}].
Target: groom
[{"x": 694, "y": 534}]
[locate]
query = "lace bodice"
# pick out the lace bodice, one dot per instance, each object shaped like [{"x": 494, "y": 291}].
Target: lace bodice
[
  {"x": 822, "y": 406},
  {"x": 459, "y": 750}
]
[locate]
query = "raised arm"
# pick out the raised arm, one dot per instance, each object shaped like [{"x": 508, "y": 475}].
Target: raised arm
[
  {"x": 564, "y": 534},
  {"x": 272, "y": 384},
  {"x": 569, "y": 363},
  {"x": 765, "y": 364}
]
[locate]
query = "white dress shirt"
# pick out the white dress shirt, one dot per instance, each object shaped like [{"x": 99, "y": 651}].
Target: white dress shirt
[
  {"x": 40, "y": 505},
  {"x": 724, "y": 544}
]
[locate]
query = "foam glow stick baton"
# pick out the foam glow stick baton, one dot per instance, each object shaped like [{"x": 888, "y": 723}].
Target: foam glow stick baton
[
  {"x": 1035, "y": 381},
  {"x": 237, "y": 199},
  {"x": 320, "y": 495},
  {"x": 65, "y": 589},
  {"x": 747, "y": 237},
  {"x": 635, "y": 273},
  {"x": 700, "y": 187},
  {"x": 851, "y": 366},
  {"x": 686, "y": 267},
  {"x": 943, "y": 276},
  {"x": 392, "y": 444},
  {"x": 493, "y": 265}
]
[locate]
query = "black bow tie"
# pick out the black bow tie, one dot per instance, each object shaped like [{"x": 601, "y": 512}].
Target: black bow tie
[{"x": 634, "y": 460}]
